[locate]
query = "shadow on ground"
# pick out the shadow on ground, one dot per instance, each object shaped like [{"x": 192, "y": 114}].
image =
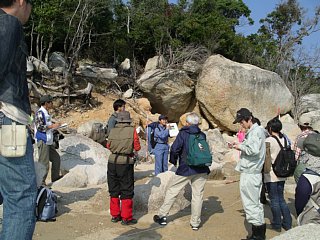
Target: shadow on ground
[
  {"x": 210, "y": 207},
  {"x": 64, "y": 199}
]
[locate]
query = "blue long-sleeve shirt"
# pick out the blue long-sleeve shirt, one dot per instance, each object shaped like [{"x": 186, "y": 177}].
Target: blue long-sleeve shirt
[{"x": 161, "y": 134}]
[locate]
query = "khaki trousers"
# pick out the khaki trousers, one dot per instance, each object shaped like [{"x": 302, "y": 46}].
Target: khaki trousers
[
  {"x": 177, "y": 184},
  {"x": 49, "y": 153}
]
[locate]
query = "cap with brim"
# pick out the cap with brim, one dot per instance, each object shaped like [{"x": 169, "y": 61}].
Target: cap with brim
[
  {"x": 46, "y": 98},
  {"x": 242, "y": 114},
  {"x": 163, "y": 117},
  {"x": 123, "y": 117},
  {"x": 305, "y": 121},
  {"x": 310, "y": 144}
]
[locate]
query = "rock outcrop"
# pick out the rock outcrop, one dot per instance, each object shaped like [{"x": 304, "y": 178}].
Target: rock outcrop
[
  {"x": 225, "y": 86},
  {"x": 309, "y": 103},
  {"x": 170, "y": 92},
  {"x": 84, "y": 160},
  {"x": 150, "y": 196}
]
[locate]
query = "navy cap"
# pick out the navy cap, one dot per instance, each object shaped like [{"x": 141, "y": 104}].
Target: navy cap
[
  {"x": 242, "y": 114},
  {"x": 163, "y": 117}
]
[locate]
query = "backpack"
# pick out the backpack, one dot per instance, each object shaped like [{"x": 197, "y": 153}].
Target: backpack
[
  {"x": 152, "y": 127},
  {"x": 98, "y": 133},
  {"x": 46, "y": 208},
  {"x": 285, "y": 162},
  {"x": 199, "y": 152}
]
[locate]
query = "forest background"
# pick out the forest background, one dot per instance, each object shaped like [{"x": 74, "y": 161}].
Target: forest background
[{"x": 108, "y": 31}]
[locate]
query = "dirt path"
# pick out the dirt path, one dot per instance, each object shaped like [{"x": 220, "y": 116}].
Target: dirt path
[{"x": 83, "y": 215}]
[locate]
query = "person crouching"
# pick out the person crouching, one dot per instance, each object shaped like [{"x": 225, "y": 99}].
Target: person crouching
[{"x": 123, "y": 140}]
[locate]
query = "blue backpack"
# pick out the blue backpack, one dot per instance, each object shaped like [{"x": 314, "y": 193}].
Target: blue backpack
[
  {"x": 46, "y": 209},
  {"x": 152, "y": 127},
  {"x": 199, "y": 152}
]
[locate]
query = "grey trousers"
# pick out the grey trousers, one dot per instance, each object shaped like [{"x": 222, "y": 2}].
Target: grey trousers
[
  {"x": 177, "y": 184},
  {"x": 250, "y": 187},
  {"x": 49, "y": 153}
]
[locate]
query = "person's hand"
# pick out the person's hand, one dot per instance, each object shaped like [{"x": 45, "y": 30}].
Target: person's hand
[{"x": 56, "y": 125}]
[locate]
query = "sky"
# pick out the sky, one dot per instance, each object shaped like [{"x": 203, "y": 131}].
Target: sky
[{"x": 261, "y": 8}]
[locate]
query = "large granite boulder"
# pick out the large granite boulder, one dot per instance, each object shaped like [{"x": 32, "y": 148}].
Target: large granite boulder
[
  {"x": 84, "y": 160},
  {"x": 39, "y": 65},
  {"x": 96, "y": 72},
  {"x": 309, "y": 103},
  {"x": 290, "y": 128},
  {"x": 308, "y": 231},
  {"x": 150, "y": 196},
  {"x": 171, "y": 92},
  {"x": 225, "y": 86},
  {"x": 85, "y": 128},
  {"x": 154, "y": 63},
  {"x": 57, "y": 60}
]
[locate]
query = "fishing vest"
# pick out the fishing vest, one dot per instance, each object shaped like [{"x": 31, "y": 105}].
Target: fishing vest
[{"x": 120, "y": 140}]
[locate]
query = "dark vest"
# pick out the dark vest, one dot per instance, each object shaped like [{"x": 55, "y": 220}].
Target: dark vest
[
  {"x": 13, "y": 80},
  {"x": 121, "y": 144}
]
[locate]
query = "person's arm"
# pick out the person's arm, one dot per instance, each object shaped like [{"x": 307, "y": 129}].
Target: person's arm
[
  {"x": 40, "y": 122},
  {"x": 176, "y": 149},
  {"x": 251, "y": 146},
  {"x": 111, "y": 124},
  {"x": 296, "y": 149},
  {"x": 136, "y": 142}
]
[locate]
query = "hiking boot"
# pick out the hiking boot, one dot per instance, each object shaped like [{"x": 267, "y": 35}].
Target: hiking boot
[
  {"x": 58, "y": 178},
  {"x": 194, "y": 228},
  {"x": 129, "y": 222},
  {"x": 116, "y": 219},
  {"x": 160, "y": 220}
]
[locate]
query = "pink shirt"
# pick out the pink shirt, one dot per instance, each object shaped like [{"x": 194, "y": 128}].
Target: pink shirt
[{"x": 241, "y": 135}]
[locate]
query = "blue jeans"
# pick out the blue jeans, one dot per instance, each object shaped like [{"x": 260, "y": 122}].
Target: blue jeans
[
  {"x": 161, "y": 152},
  {"x": 19, "y": 190},
  {"x": 279, "y": 208}
]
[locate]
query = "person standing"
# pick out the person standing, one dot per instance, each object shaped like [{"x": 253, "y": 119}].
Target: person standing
[
  {"x": 306, "y": 129},
  {"x": 309, "y": 182},
  {"x": 123, "y": 142},
  {"x": 253, "y": 150},
  {"x": 281, "y": 216},
  {"x": 44, "y": 137},
  {"x": 17, "y": 174},
  {"x": 195, "y": 175},
  {"x": 118, "y": 106},
  {"x": 161, "y": 150}
]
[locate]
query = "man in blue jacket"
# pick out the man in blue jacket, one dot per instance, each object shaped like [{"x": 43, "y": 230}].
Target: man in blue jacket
[{"x": 197, "y": 176}]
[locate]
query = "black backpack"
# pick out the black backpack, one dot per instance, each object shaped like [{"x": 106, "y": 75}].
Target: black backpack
[
  {"x": 153, "y": 126},
  {"x": 285, "y": 162}
]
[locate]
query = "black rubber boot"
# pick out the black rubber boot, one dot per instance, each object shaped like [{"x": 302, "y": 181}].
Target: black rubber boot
[{"x": 258, "y": 232}]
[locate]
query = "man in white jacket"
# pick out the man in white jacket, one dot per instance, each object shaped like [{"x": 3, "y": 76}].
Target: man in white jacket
[{"x": 252, "y": 157}]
